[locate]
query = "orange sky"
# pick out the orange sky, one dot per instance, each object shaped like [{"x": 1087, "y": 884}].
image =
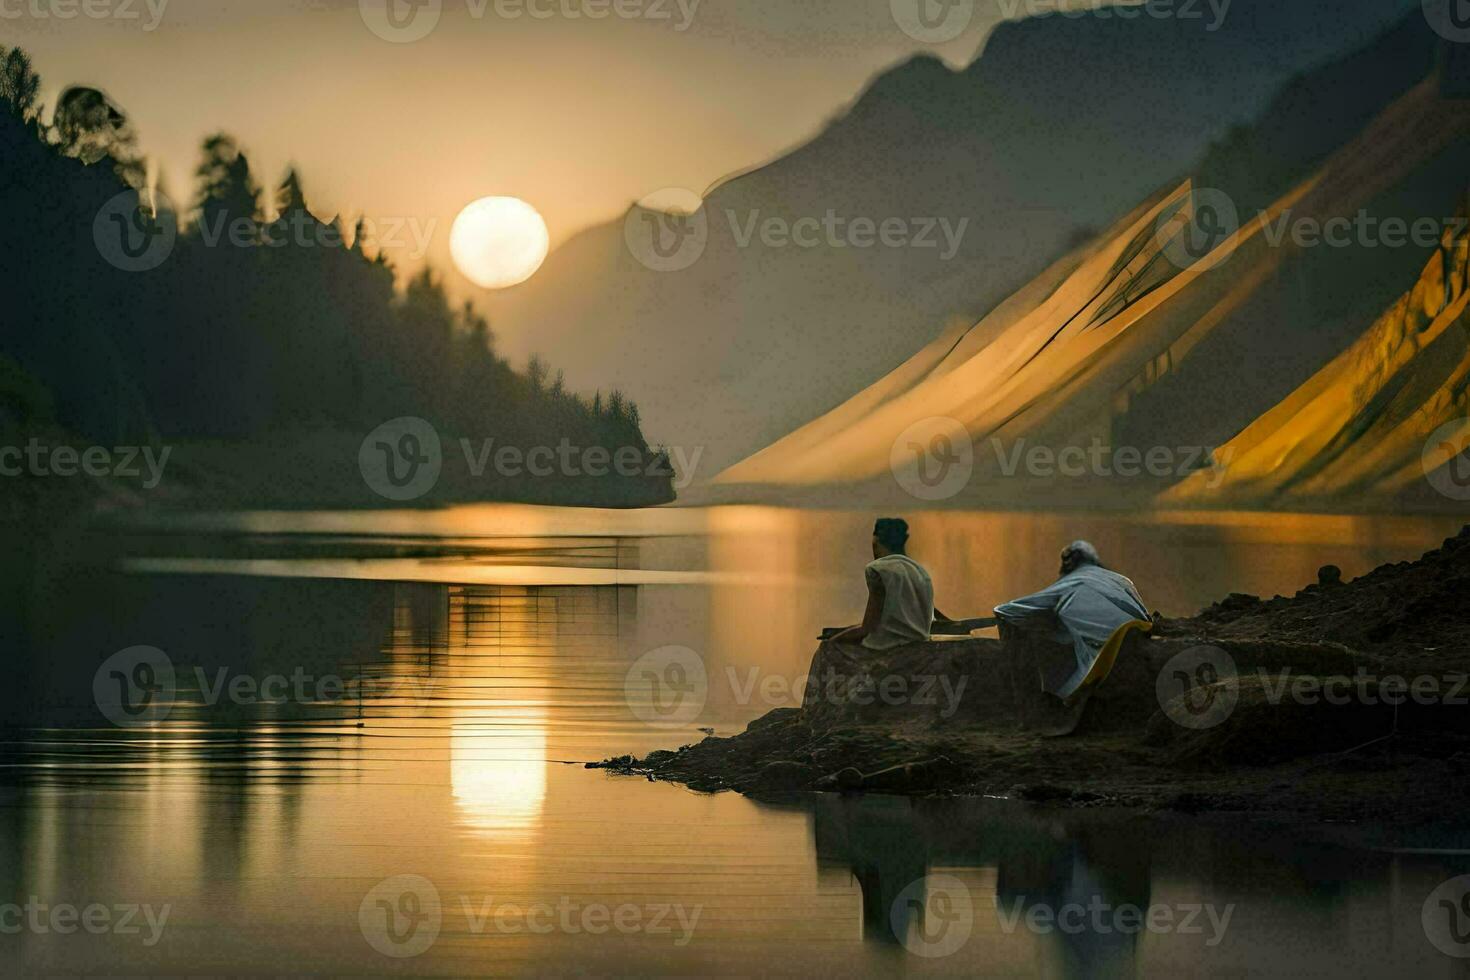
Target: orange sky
[{"x": 577, "y": 116}]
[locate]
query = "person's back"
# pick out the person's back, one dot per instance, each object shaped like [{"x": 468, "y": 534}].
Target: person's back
[
  {"x": 900, "y": 594},
  {"x": 908, "y": 602},
  {"x": 1096, "y": 601},
  {"x": 1084, "y": 607}
]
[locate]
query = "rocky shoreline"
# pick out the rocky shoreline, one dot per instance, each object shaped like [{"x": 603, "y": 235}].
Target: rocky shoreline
[{"x": 1348, "y": 701}]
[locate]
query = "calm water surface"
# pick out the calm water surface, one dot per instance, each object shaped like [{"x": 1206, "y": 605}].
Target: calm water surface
[{"x": 370, "y": 762}]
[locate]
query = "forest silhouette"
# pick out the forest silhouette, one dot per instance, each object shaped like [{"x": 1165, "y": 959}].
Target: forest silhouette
[{"x": 259, "y": 341}]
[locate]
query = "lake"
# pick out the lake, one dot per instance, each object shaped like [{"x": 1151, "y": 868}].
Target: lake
[{"x": 353, "y": 743}]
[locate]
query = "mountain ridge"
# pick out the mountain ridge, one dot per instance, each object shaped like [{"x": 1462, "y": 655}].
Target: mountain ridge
[
  {"x": 750, "y": 341},
  {"x": 1165, "y": 324}
]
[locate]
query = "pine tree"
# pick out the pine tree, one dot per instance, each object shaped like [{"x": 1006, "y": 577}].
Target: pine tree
[
  {"x": 19, "y": 83},
  {"x": 228, "y": 193},
  {"x": 536, "y": 371}
]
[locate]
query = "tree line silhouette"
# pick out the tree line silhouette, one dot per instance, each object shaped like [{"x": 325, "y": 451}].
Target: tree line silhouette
[{"x": 262, "y": 324}]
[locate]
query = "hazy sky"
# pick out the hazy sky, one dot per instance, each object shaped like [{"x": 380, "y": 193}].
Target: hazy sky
[{"x": 575, "y": 115}]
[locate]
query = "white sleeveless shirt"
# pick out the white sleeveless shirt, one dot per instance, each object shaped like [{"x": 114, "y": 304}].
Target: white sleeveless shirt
[{"x": 908, "y": 602}]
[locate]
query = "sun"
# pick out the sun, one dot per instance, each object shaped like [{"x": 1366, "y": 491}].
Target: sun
[{"x": 498, "y": 242}]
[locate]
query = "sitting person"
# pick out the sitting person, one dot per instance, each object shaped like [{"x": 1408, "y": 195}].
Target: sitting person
[
  {"x": 900, "y": 594},
  {"x": 1082, "y": 609}
]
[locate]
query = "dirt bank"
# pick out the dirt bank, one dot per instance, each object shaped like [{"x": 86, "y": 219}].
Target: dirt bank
[{"x": 1346, "y": 701}]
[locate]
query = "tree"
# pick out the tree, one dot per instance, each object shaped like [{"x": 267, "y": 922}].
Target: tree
[
  {"x": 227, "y": 192},
  {"x": 90, "y": 126},
  {"x": 232, "y": 341},
  {"x": 19, "y": 83},
  {"x": 536, "y": 371},
  {"x": 482, "y": 338},
  {"x": 290, "y": 198}
]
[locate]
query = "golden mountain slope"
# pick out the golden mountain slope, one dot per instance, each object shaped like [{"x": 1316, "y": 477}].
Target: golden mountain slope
[
  {"x": 1359, "y": 428},
  {"x": 1061, "y": 360}
]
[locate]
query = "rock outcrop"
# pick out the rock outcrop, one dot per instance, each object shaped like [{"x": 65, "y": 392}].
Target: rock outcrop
[{"x": 1336, "y": 701}]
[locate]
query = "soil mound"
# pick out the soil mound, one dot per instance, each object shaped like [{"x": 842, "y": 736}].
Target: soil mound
[{"x": 1399, "y": 609}]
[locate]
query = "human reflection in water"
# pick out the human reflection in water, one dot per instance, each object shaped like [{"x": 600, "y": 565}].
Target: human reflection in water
[
  {"x": 1078, "y": 883},
  {"x": 874, "y": 838},
  {"x": 1057, "y": 868}
]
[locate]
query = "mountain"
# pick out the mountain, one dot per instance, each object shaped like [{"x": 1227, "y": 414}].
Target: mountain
[
  {"x": 1061, "y": 126},
  {"x": 1370, "y": 425},
  {"x": 1043, "y": 367},
  {"x": 1141, "y": 341}
]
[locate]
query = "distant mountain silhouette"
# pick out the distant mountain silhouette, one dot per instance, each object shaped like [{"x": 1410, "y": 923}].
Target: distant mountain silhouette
[{"x": 1061, "y": 126}]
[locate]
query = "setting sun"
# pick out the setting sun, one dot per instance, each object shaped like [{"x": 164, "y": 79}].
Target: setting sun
[
  {"x": 383, "y": 595},
  {"x": 498, "y": 242}
]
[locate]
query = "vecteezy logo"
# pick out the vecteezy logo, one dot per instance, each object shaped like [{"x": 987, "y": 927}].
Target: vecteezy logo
[
  {"x": 933, "y": 916},
  {"x": 1446, "y": 917},
  {"x": 1449, "y": 18},
  {"x": 667, "y": 687},
  {"x": 1196, "y": 688},
  {"x": 401, "y": 21},
  {"x": 401, "y": 916},
  {"x": 135, "y": 687},
  {"x": 1446, "y": 459},
  {"x": 401, "y": 459},
  {"x": 133, "y": 235},
  {"x": 932, "y": 21},
  {"x": 933, "y": 459},
  {"x": 1192, "y": 236},
  {"x": 668, "y": 230}
]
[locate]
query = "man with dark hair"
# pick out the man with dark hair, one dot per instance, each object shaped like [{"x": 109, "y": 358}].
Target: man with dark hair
[
  {"x": 892, "y": 534},
  {"x": 900, "y": 593}
]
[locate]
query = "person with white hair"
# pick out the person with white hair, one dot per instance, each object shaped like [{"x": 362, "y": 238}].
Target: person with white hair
[{"x": 1086, "y": 608}]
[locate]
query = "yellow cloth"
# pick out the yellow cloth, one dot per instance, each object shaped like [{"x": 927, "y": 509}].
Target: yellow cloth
[{"x": 1103, "y": 665}]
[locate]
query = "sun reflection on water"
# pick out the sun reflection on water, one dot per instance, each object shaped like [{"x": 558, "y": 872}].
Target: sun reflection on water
[{"x": 497, "y": 768}]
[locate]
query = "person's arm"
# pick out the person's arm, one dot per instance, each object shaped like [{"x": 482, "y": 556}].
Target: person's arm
[
  {"x": 1034, "y": 610},
  {"x": 871, "y": 616}
]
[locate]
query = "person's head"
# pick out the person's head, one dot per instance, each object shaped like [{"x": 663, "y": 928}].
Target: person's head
[
  {"x": 1077, "y": 554},
  {"x": 890, "y": 536}
]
